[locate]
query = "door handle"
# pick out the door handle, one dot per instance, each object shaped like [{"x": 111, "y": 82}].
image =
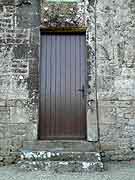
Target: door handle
[{"x": 82, "y": 91}]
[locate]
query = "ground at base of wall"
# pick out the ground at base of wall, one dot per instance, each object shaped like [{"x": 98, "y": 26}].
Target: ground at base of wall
[
  {"x": 114, "y": 171},
  {"x": 6, "y": 160},
  {"x": 114, "y": 166},
  {"x": 122, "y": 154}
]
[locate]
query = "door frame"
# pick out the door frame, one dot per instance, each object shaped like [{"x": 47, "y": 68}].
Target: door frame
[{"x": 64, "y": 30}]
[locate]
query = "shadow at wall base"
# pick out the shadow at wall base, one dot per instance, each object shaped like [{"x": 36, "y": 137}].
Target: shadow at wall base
[{"x": 111, "y": 153}]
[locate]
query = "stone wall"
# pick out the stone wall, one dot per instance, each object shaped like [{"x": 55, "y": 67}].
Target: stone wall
[
  {"x": 19, "y": 58},
  {"x": 116, "y": 77},
  {"x": 110, "y": 43},
  {"x": 62, "y": 14}
]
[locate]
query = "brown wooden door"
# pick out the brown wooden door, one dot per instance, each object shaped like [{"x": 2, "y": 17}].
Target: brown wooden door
[{"x": 62, "y": 85}]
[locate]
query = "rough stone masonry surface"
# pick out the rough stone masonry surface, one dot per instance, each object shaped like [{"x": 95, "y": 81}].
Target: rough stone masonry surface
[
  {"x": 19, "y": 59},
  {"x": 116, "y": 171},
  {"x": 110, "y": 42}
]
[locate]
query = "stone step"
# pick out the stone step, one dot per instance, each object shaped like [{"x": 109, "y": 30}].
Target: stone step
[
  {"x": 60, "y": 156},
  {"x": 82, "y": 146},
  {"x": 61, "y": 166}
]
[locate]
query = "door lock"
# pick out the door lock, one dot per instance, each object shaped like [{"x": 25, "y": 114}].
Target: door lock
[{"x": 82, "y": 91}]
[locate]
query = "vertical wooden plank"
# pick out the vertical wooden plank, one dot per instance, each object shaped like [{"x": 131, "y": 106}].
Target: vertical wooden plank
[
  {"x": 68, "y": 85},
  {"x": 53, "y": 85},
  {"x": 73, "y": 121},
  {"x": 78, "y": 85},
  {"x": 83, "y": 83},
  {"x": 58, "y": 84},
  {"x": 48, "y": 84},
  {"x": 62, "y": 57}
]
